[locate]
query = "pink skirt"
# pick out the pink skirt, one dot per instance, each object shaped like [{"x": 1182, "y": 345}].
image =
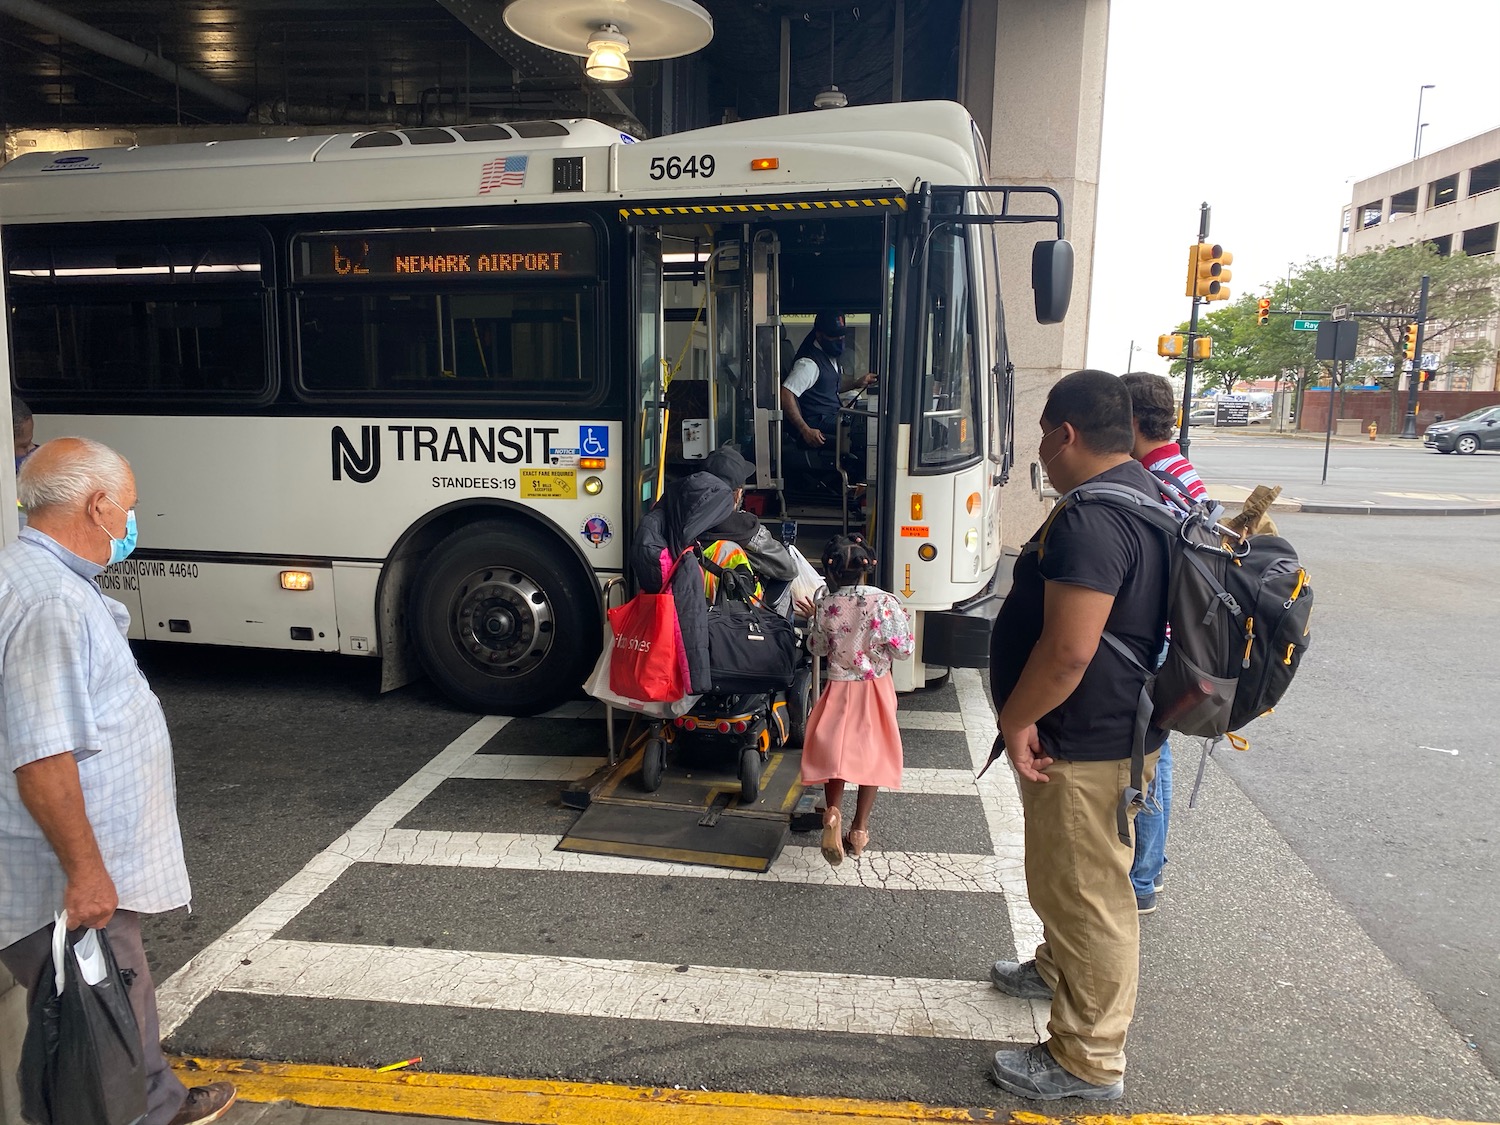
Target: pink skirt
[{"x": 852, "y": 735}]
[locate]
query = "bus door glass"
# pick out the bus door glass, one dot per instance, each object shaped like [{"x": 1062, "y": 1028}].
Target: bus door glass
[
  {"x": 765, "y": 321},
  {"x": 649, "y": 399},
  {"x": 999, "y": 389}
]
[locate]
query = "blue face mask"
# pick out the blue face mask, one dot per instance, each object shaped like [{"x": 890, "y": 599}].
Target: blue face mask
[
  {"x": 833, "y": 346},
  {"x": 119, "y": 549}
]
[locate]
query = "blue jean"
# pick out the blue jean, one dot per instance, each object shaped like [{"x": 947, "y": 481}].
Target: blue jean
[{"x": 1151, "y": 827}]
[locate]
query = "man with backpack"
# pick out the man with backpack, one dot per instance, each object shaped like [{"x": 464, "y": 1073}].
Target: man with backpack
[
  {"x": 1068, "y": 705},
  {"x": 1153, "y": 406}
]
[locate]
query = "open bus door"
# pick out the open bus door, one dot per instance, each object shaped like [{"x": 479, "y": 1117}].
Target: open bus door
[{"x": 958, "y": 404}]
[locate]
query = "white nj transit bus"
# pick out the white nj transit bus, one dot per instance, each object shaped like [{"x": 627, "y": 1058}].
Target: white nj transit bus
[{"x": 405, "y": 394}]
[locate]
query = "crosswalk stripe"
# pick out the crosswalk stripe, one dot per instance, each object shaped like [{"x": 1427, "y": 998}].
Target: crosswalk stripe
[
  {"x": 929, "y": 720},
  {"x": 190, "y": 985},
  {"x": 1002, "y": 808},
  {"x": 525, "y": 851},
  {"x": 638, "y": 990},
  {"x": 526, "y": 767}
]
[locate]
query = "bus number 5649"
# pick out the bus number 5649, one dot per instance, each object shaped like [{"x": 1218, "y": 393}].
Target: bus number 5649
[{"x": 675, "y": 168}]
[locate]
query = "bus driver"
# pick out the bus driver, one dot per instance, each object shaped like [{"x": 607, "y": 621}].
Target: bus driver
[{"x": 810, "y": 392}]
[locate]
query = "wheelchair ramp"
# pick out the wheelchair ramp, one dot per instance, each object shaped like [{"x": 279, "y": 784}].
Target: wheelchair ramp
[{"x": 695, "y": 817}]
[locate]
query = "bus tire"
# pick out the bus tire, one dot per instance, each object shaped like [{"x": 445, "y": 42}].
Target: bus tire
[{"x": 502, "y": 625}]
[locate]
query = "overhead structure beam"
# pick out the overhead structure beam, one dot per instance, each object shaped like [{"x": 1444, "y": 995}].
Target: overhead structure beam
[
  {"x": 102, "y": 43},
  {"x": 482, "y": 17}
]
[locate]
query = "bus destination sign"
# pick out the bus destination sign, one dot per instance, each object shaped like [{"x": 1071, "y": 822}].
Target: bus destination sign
[{"x": 536, "y": 251}]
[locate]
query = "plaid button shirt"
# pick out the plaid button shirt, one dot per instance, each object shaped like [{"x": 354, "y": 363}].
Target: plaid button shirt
[{"x": 70, "y": 684}]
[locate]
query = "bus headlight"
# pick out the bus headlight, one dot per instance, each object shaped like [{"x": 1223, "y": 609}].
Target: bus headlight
[
  {"x": 926, "y": 552},
  {"x": 593, "y": 485},
  {"x": 971, "y": 540}
]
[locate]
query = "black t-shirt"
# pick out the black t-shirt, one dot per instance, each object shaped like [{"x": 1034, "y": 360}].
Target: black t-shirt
[{"x": 1103, "y": 548}]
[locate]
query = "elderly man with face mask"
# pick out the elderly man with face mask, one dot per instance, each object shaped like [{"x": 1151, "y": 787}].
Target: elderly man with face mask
[{"x": 88, "y": 798}]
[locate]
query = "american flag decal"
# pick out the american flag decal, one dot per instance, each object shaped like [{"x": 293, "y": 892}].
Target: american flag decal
[{"x": 505, "y": 171}]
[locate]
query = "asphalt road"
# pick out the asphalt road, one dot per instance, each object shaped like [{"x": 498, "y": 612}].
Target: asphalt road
[
  {"x": 1326, "y": 941},
  {"x": 1380, "y": 769},
  {"x": 1375, "y": 473}
]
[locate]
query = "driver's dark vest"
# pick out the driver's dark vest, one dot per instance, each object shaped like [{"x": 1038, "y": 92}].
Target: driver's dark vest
[{"x": 821, "y": 400}]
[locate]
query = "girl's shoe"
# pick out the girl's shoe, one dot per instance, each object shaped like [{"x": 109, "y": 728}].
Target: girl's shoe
[
  {"x": 833, "y": 847},
  {"x": 856, "y": 842}
]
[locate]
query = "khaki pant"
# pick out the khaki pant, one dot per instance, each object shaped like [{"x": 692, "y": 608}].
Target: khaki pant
[{"x": 1078, "y": 878}]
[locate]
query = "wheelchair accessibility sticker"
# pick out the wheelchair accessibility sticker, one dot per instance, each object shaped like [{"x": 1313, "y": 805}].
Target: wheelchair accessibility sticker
[
  {"x": 593, "y": 441},
  {"x": 596, "y": 530}
]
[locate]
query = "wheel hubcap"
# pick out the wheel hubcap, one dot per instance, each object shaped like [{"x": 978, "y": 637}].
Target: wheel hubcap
[{"x": 502, "y": 622}]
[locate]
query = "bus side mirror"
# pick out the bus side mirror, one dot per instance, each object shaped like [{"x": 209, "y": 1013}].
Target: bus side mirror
[{"x": 1052, "y": 279}]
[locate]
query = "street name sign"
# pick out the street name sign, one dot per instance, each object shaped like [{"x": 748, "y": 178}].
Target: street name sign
[{"x": 1304, "y": 326}]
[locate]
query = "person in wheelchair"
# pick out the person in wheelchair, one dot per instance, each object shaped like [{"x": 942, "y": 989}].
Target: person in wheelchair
[{"x": 701, "y": 514}]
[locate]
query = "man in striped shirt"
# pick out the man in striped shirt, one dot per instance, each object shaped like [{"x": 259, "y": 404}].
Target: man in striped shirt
[{"x": 1153, "y": 404}]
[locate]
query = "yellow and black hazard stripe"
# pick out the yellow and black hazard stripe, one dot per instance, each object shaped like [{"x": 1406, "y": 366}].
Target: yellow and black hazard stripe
[{"x": 881, "y": 202}]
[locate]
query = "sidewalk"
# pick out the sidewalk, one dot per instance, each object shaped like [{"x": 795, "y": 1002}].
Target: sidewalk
[{"x": 1333, "y": 500}]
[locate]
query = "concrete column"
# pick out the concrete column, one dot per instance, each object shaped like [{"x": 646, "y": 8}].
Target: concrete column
[{"x": 1032, "y": 74}]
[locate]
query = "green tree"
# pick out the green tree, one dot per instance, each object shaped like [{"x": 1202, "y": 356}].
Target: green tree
[{"x": 1461, "y": 299}]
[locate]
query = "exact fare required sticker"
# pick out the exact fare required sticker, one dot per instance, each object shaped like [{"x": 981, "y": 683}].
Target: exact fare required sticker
[{"x": 549, "y": 484}]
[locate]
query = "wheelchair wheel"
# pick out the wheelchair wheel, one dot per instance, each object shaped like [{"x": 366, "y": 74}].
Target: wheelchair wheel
[
  {"x": 749, "y": 775},
  {"x": 653, "y": 761},
  {"x": 799, "y": 707}
]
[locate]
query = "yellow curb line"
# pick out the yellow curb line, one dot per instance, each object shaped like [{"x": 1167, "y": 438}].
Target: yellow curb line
[{"x": 541, "y": 1102}]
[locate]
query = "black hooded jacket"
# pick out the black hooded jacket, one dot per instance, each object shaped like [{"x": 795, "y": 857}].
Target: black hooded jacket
[
  {"x": 688, "y": 509},
  {"x": 698, "y": 510}
]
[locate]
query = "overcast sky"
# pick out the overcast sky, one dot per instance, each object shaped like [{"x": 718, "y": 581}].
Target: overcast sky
[{"x": 1303, "y": 100}]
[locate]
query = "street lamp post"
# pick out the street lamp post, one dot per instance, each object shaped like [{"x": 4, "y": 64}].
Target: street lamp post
[
  {"x": 1130, "y": 359},
  {"x": 1416, "y": 144}
]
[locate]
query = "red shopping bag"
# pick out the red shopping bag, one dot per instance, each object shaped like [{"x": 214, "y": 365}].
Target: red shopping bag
[{"x": 647, "y": 662}]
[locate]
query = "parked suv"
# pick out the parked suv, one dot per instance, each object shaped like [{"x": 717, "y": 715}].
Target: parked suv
[{"x": 1476, "y": 430}]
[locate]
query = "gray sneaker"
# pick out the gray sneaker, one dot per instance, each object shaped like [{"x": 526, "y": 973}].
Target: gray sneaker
[
  {"x": 1034, "y": 1073},
  {"x": 1160, "y": 883},
  {"x": 1019, "y": 979},
  {"x": 1145, "y": 904}
]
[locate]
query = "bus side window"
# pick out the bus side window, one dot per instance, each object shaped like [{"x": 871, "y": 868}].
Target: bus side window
[{"x": 117, "y": 320}]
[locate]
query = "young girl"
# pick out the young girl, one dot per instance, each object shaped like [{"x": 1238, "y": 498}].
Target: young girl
[{"x": 852, "y": 737}]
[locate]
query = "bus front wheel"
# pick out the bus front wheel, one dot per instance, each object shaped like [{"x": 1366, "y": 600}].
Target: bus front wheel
[{"x": 500, "y": 624}]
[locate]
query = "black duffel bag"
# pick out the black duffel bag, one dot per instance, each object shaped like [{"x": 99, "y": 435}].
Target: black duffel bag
[{"x": 750, "y": 648}]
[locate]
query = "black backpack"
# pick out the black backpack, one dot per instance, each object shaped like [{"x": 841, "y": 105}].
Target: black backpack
[{"x": 1238, "y": 610}]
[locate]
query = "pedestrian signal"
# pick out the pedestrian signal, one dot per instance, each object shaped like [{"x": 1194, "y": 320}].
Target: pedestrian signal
[
  {"x": 1409, "y": 347},
  {"x": 1208, "y": 271},
  {"x": 1203, "y": 347},
  {"x": 1263, "y": 310},
  {"x": 1170, "y": 346}
]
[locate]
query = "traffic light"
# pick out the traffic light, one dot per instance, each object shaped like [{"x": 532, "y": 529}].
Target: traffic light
[
  {"x": 1263, "y": 311},
  {"x": 1423, "y": 378},
  {"x": 1409, "y": 348},
  {"x": 1208, "y": 271},
  {"x": 1203, "y": 347},
  {"x": 1170, "y": 346}
]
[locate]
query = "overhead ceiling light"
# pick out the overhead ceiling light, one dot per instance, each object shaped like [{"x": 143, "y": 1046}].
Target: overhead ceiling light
[
  {"x": 603, "y": 32},
  {"x": 607, "y": 51},
  {"x": 830, "y": 98}
]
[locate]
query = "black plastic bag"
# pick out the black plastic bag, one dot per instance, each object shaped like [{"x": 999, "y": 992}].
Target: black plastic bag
[{"x": 82, "y": 1061}]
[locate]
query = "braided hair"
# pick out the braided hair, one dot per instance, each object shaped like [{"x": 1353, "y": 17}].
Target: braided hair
[{"x": 846, "y": 558}]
